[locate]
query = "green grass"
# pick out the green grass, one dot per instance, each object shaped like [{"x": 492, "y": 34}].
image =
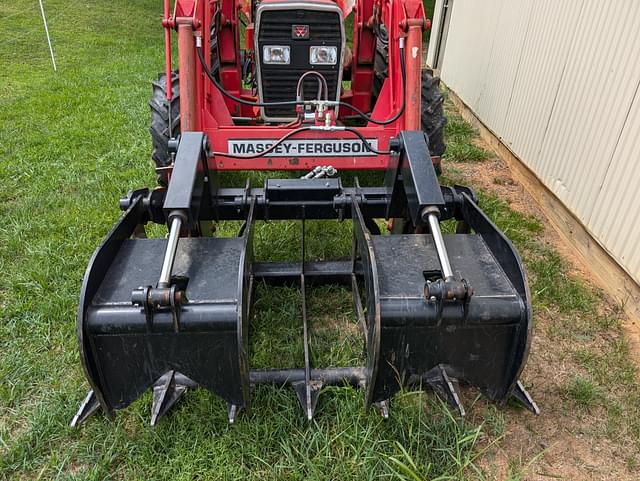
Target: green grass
[
  {"x": 460, "y": 142},
  {"x": 72, "y": 143},
  {"x": 583, "y": 391}
]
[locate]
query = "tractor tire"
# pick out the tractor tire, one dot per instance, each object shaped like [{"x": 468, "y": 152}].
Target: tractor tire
[
  {"x": 161, "y": 131},
  {"x": 381, "y": 63},
  {"x": 433, "y": 118},
  {"x": 215, "y": 58}
]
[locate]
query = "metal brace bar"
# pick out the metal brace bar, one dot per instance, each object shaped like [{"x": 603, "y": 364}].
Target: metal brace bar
[{"x": 308, "y": 391}]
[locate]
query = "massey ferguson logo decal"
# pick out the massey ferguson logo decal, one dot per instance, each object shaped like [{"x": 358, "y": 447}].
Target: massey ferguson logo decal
[
  {"x": 300, "y": 32},
  {"x": 304, "y": 148}
]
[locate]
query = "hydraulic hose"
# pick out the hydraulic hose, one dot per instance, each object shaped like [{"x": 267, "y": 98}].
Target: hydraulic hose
[
  {"x": 403, "y": 106},
  {"x": 359, "y": 112},
  {"x": 299, "y": 130},
  {"x": 233, "y": 97}
]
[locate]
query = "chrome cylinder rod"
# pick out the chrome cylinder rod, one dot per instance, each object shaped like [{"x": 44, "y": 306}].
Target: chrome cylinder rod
[
  {"x": 170, "y": 253},
  {"x": 441, "y": 248}
]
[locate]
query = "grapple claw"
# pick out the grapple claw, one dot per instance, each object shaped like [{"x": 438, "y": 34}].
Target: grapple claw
[
  {"x": 445, "y": 387},
  {"x": 166, "y": 393},
  {"x": 524, "y": 398},
  {"x": 88, "y": 408},
  {"x": 135, "y": 345},
  {"x": 482, "y": 339}
]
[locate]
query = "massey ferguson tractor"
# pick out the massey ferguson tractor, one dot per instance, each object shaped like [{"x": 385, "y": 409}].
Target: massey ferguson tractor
[{"x": 281, "y": 85}]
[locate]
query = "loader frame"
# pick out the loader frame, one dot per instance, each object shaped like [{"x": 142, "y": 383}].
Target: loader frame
[{"x": 201, "y": 103}]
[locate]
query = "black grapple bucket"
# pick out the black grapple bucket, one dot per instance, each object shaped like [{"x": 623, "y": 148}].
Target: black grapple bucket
[
  {"x": 126, "y": 349},
  {"x": 417, "y": 339},
  {"x": 435, "y": 310}
]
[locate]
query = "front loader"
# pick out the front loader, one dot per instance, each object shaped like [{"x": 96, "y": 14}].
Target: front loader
[{"x": 300, "y": 95}]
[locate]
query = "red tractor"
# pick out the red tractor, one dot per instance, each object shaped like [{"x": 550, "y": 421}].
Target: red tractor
[{"x": 281, "y": 85}]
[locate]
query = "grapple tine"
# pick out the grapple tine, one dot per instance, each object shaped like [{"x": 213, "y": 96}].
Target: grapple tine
[
  {"x": 233, "y": 411},
  {"x": 308, "y": 394},
  {"x": 445, "y": 387},
  {"x": 383, "y": 408},
  {"x": 88, "y": 408},
  {"x": 524, "y": 398},
  {"x": 166, "y": 393},
  {"x": 308, "y": 391}
]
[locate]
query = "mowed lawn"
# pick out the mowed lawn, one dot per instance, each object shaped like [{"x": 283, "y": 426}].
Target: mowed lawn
[{"x": 71, "y": 144}]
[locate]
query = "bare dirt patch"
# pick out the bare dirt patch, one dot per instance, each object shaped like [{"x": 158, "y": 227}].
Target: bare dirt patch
[{"x": 567, "y": 441}]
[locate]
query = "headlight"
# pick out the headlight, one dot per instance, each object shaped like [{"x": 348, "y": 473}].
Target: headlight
[
  {"x": 276, "y": 54},
  {"x": 323, "y": 56}
]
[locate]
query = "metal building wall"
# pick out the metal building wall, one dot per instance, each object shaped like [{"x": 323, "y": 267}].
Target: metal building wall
[{"x": 558, "y": 82}]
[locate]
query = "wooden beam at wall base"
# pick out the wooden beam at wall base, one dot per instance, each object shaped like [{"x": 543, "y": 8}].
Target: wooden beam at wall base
[{"x": 609, "y": 275}]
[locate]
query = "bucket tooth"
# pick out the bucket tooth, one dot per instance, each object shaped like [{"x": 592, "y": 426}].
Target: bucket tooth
[
  {"x": 166, "y": 392},
  {"x": 308, "y": 394},
  {"x": 524, "y": 398},
  {"x": 383, "y": 408},
  {"x": 445, "y": 387},
  {"x": 88, "y": 408},
  {"x": 233, "y": 411}
]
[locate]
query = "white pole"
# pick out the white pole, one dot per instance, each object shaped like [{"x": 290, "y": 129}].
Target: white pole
[{"x": 46, "y": 29}]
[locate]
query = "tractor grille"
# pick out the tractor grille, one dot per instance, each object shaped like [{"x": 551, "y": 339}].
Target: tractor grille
[
  {"x": 276, "y": 25},
  {"x": 278, "y": 82}
]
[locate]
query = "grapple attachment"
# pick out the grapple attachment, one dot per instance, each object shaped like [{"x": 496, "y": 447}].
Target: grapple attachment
[
  {"x": 171, "y": 314},
  {"x": 420, "y": 335},
  {"x": 200, "y": 333}
]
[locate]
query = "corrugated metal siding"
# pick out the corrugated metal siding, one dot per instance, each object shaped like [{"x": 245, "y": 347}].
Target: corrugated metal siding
[
  {"x": 559, "y": 82},
  {"x": 618, "y": 203},
  {"x": 598, "y": 87},
  {"x": 475, "y": 49},
  {"x": 542, "y": 65},
  {"x": 435, "y": 32},
  {"x": 504, "y": 61}
]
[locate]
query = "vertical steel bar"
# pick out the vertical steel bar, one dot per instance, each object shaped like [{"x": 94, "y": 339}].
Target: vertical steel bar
[
  {"x": 357, "y": 300},
  {"x": 413, "y": 54},
  {"x": 305, "y": 328},
  {"x": 166, "y": 23}
]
